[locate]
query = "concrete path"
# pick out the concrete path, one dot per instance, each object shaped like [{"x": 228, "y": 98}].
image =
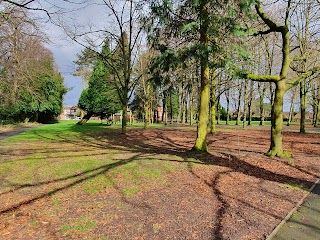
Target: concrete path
[
  {"x": 14, "y": 132},
  {"x": 304, "y": 224}
]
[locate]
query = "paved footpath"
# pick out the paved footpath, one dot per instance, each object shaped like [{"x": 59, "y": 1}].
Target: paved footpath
[
  {"x": 14, "y": 132},
  {"x": 304, "y": 224}
]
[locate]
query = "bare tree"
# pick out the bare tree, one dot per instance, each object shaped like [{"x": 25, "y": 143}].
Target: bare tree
[
  {"x": 125, "y": 30},
  {"x": 281, "y": 80}
]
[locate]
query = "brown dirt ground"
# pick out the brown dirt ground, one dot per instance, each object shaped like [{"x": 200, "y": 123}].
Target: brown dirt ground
[{"x": 232, "y": 192}]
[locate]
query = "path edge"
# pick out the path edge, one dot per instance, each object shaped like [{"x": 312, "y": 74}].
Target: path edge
[{"x": 277, "y": 228}]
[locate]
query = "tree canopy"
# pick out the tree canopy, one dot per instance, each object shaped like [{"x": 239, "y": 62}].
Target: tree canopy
[
  {"x": 31, "y": 88},
  {"x": 101, "y": 97}
]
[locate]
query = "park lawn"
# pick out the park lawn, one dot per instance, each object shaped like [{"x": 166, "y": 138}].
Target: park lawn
[{"x": 64, "y": 181}]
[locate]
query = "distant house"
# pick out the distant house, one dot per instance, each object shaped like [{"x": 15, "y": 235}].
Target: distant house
[
  {"x": 69, "y": 113},
  {"x": 72, "y": 113}
]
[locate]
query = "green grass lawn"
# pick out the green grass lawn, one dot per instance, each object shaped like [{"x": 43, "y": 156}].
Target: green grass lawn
[
  {"x": 78, "y": 181},
  {"x": 51, "y": 161},
  {"x": 61, "y": 151}
]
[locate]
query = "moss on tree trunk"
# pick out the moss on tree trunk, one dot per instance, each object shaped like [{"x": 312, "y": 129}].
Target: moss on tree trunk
[
  {"x": 201, "y": 141},
  {"x": 213, "y": 125},
  {"x": 276, "y": 148}
]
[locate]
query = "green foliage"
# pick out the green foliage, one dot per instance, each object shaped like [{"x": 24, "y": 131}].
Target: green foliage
[
  {"x": 181, "y": 22},
  {"x": 242, "y": 30},
  {"x": 41, "y": 100},
  {"x": 87, "y": 58},
  {"x": 189, "y": 27},
  {"x": 101, "y": 96},
  {"x": 241, "y": 51},
  {"x": 175, "y": 102},
  {"x": 223, "y": 113},
  {"x": 246, "y": 5}
]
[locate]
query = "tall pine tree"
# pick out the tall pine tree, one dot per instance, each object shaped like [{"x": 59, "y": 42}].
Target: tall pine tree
[{"x": 101, "y": 97}]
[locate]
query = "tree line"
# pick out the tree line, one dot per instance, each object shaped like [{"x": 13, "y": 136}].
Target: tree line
[
  {"x": 203, "y": 50},
  {"x": 31, "y": 88},
  {"x": 187, "y": 55}
]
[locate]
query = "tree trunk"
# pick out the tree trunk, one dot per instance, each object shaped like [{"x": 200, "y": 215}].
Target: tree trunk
[
  {"x": 213, "y": 120},
  {"x": 218, "y": 102},
  {"x": 180, "y": 103},
  {"x": 85, "y": 118},
  {"x": 171, "y": 107},
  {"x": 184, "y": 108},
  {"x": 228, "y": 106},
  {"x": 239, "y": 106},
  {"x": 317, "y": 118},
  {"x": 164, "y": 106},
  {"x": 261, "y": 102},
  {"x": 131, "y": 120},
  {"x": 218, "y": 111},
  {"x": 201, "y": 140},
  {"x": 314, "y": 104},
  {"x": 190, "y": 106},
  {"x": 303, "y": 105},
  {"x": 245, "y": 104},
  {"x": 146, "y": 115},
  {"x": 124, "y": 118},
  {"x": 250, "y": 103},
  {"x": 213, "y": 104},
  {"x": 277, "y": 121},
  {"x": 291, "y": 112},
  {"x": 166, "y": 114}
]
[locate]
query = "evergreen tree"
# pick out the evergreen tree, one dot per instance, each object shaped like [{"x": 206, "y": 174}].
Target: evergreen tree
[
  {"x": 32, "y": 90},
  {"x": 201, "y": 26},
  {"x": 101, "y": 97}
]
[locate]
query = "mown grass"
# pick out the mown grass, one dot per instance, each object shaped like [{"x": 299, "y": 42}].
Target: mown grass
[
  {"x": 50, "y": 159},
  {"x": 81, "y": 178},
  {"x": 66, "y": 152}
]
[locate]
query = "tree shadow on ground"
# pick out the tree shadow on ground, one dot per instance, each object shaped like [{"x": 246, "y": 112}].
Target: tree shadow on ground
[{"x": 140, "y": 142}]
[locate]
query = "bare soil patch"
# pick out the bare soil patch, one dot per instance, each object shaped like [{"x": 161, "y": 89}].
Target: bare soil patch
[{"x": 148, "y": 185}]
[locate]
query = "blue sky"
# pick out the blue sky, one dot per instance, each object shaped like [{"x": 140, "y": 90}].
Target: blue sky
[
  {"x": 63, "y": 48},
  {"x": 64, "y": 57},
  {"x": 64, "y": 51}
]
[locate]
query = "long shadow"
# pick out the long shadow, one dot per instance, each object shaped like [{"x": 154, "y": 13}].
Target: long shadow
[
  {"x": 133, "y": 142},
  {"x": 20, "y": 186},
  {"x": 213, "y": 185},
  {"x": 57, "y": 157},
  {"x": 101, "y": 170},
  {"x": 143, "y": 142},
  {"x": 116, "y": 141},
  {"x": 230, "y": 161}
]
